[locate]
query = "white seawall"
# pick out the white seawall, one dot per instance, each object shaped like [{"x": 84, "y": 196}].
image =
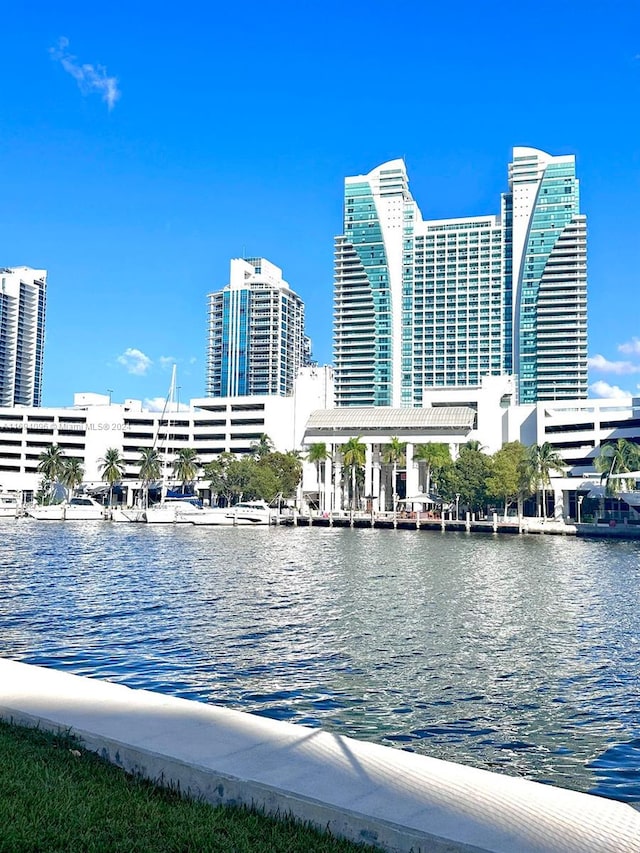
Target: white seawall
[{"x": 395, "y": 800}]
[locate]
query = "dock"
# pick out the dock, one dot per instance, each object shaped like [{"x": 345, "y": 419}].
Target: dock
[{"x": 522, "y": 525}]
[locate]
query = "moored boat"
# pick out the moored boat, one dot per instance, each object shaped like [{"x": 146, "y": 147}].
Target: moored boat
[
  {"x": 80, "y": 508},
  {"x": 126, "y": 515},
  {"x": 10, "y": 506},
  {"x": 178, "y": 510},
  {"x": 245, "y": 513}
]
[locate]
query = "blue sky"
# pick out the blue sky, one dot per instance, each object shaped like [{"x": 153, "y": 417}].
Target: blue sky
[{"x": 143, "y": 146}]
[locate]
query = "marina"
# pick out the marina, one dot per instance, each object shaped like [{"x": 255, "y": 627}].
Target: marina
[
  {"x": 510, "y": 653},
  {"x": 258, "y": 513}
]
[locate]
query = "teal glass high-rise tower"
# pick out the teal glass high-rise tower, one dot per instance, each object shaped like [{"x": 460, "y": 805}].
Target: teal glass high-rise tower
[
  {"x": 546, "y": 272},
  {"x": 422, "y": 304},
  {"x": 256, "y": 333}
]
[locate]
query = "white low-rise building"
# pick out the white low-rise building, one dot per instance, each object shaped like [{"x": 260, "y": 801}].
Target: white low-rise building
[
  {"x": 210, "y": 425},
  {"x": 214, "y": 425}
]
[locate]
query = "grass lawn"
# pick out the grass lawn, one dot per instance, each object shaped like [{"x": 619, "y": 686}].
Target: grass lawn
[{"x": 55, "y": 796}]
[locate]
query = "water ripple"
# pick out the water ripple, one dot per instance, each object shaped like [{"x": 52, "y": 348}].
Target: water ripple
[{"x": 510, "y": 653}]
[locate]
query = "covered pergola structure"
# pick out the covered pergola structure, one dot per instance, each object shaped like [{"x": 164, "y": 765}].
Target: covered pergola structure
[{"x": 375, "y": 427}]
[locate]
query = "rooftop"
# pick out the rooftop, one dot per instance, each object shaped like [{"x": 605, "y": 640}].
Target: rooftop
[{"x": 378, "y": 418}]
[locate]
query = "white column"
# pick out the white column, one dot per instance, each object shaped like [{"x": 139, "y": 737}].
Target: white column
[
  {"x": 326, "y": 503},
  {"x": 337, "y": 491},
  {"x": 368, "y": 471},
  {"x": 412, "y": 472},
  {"x": 375, "y": 491}
]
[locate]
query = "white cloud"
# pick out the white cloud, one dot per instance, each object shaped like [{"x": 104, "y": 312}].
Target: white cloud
[
  {"x": 154, "y": 404},
  {"x": 166, "y": 361},
  {"x": 603, "y": 389},
  {"x": 90, "y": 78},
  {"x": 157, "y": 404},
  {"x": 135, "y": 361},
  {"x": 599, "y": 362},
  {"x": 631, "y": 347}
]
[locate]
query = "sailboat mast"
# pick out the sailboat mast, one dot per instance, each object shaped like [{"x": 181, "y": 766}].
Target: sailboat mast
[{"x": 165, "y": 456}]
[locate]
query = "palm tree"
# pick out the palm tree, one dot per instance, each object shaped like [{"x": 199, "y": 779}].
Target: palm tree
[
  {"x": 394, "y": 453},
  {"x": 149, "y": 469},
  {"x": 262, "y": 447},
  {"x": 435, "y": 455},
  {"x": 317, "y": 454},
  {"x": 353, "y": 457},
  {"x": 543, "y": 459},
  {"x": 473, "y": 444},
  {"x": 623, "y": 457},
  {"x": 112, "y": 469},
  {"x": 185, "y": 466},
  {"x": 50, "y": 465},
  {"x": 72, "y": 475}
]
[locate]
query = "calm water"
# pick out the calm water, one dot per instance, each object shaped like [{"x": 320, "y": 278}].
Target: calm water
[{"x": 520, "y": 654}]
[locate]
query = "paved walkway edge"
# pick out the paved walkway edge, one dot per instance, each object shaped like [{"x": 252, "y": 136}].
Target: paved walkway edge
[{"x": 395, "y": 800}]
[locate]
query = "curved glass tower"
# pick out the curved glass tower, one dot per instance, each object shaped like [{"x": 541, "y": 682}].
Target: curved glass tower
[
  {"x": 422, "y": 304},
  {"x": 368, "y": 287},
  {"x": 546, "y": 258}
]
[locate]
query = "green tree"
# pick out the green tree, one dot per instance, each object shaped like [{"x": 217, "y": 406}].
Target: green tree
[
  {"x": 508, "y": 480},
  {"x": 287, "y": 468},
  {"x": 51, "y": 465},
  {"x": 150, "y": 468},
  {"x": 433, "y": 456},
  {"x": 72, "y": 475},
  {"x": 263, "y": 483},
  {"x": 317, "y": 454},
  {"x": 112, "y": 469},
  {"x": 467, "y": 478},
  {"x": 262, "y": 447},
  {"x": 239, "y": 478},
  {"x": 543, "y": 459},
  {"x": 353, "y": 459},
  {"x": 615, "y": 459},
  {"x": 185, "y": 466},
  {"x": 217, "y": 472}
]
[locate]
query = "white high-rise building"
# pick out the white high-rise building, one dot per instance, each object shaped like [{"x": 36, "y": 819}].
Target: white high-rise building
[
  {"x": 256, "y": 333},
  {"x": 23, "y": 298},
  {"x": 428, "y": 304}
]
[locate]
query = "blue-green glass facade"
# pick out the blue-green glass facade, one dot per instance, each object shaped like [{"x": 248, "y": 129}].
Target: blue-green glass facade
[
  {"x": 423, "y": 305},
  {"x": 556, "y": 204},
  {"x": 363, "y": 231},
  {"x": 235, "y": 343}
]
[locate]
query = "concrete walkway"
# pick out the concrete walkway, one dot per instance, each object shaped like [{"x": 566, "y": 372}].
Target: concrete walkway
[{"x": 366, "y": 792}]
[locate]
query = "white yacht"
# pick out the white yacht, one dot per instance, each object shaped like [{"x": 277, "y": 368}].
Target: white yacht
[
  {"x": 9, "y": 504},
  {"x": 83, "y": 508},
  {"x": 246, "y": 513},
  {"x": 128, "y": 515},
  {"x": 46, "y": 512},
  {"x": 173, "y": 511},
  {"x": 80, "y": 508}
]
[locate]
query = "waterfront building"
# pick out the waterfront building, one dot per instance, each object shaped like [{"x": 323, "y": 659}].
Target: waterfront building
[
  {"x": 211, "y": 426},
  {"x": 423, "y": 304},
  {"x": 256, "y": 333},
  {"x": 23, "y": 298},
  {"x": 375, "y": 427},
  {"x": 576, "y": 429}
]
